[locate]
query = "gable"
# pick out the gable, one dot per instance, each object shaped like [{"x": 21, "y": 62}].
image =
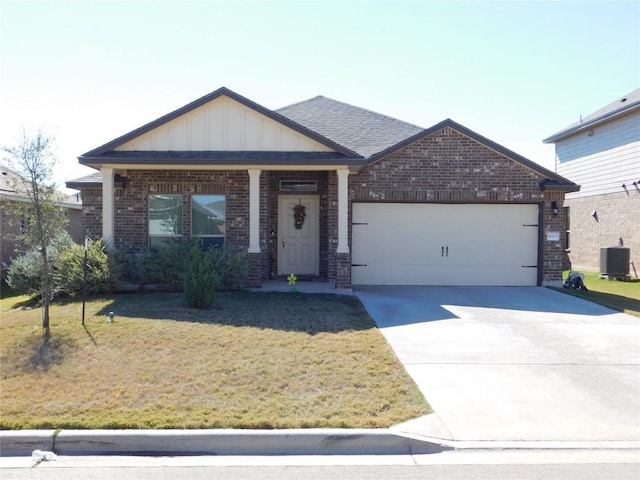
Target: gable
[
  {"x": 447, "y": 166},
  {"x": 461, "y": 150},
  {"x": 223, "y": 124}
]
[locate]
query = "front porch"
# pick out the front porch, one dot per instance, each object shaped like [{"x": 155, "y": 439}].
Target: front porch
[{"x": 258, "y": 215}]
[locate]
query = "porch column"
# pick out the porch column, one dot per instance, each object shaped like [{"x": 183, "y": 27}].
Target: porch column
[
  {"x": 254, "y": 211},
  {"x": 343, "y": 211},
  {"x": 107, "y": 205}
]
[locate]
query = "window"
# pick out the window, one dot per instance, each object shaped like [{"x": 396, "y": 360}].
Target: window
[
  {"x": 165, "y": 219},
  {"x": 298, "y": 185},
  {"x": 208, "y": 213}
]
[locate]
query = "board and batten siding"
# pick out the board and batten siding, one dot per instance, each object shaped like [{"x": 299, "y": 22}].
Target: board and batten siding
[
  {"x": 603, "y": 158},
  {"x": 223, "y": 125}
]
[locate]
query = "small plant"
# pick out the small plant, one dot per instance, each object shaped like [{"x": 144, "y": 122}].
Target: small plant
[
  {"x": 201, "y": 278},
  {"x": 292, "y": 279}
]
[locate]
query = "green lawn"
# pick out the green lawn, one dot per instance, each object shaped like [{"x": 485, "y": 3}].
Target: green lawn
[
  {"x": 615, "y": 294},
  {"x": 256, "y": 360}
]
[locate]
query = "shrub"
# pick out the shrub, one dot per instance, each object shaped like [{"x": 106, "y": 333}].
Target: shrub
[
  {"x": 166, "y": 265},
  {"x": 103, "y": 270},
  {"x": 201, "y": 278},
  {"x": 231, "y": 267},
  {"x": 25, "y": 271}
]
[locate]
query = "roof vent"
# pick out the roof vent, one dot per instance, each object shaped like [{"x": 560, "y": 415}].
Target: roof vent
[{"x": 624, "y": 99}]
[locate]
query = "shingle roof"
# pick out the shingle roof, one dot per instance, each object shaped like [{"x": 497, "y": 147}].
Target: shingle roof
[
  {"x": 12, "y": 187},
  {"x": 357, "y": 129},
  {"x": 613, "y": 109},
  {"x": 93, "y": 180}
]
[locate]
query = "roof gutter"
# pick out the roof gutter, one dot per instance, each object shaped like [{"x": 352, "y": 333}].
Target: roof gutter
[{"x": 591, "y": 123}]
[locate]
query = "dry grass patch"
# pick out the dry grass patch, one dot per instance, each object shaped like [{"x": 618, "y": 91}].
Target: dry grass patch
[{"x": 267, "y": 360}]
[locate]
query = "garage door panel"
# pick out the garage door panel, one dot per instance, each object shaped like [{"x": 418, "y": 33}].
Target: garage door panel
[{"x": 438, "y": 244}]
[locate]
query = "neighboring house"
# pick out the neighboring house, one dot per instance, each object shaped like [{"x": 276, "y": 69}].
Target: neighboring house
[
  {"x": 12, "y": 193},
  {"x": 601, "y": 152},
  {"x": 331, "y": 191}
]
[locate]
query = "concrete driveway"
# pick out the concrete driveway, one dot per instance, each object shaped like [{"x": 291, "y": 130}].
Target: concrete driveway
[{"x": 514, "y": 363}]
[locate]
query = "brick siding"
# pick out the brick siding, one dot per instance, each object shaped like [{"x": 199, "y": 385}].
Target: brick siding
[{"x": 617, "y": 217}]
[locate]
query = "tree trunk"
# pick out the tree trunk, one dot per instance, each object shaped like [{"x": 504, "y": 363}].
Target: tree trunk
[
  {"x": 46, "y": 293},
  {"x": 45, "y": 318}
]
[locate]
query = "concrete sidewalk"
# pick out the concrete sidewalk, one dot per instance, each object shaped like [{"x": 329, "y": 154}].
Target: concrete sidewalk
[{"x": 513, "y": 364}]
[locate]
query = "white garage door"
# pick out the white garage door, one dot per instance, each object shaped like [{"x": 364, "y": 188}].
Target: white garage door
[{"x": 444, "y": 244}]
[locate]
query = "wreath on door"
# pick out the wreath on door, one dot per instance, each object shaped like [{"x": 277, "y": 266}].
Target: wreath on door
[{"x": 299, "y": 212}]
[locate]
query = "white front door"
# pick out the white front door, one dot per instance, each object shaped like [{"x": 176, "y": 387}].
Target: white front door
[{"x": 298, "y": 243}]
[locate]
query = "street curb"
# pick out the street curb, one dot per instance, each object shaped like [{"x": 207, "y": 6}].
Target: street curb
[
  {"x": 23, "y": 442},
  {"x": 215, "y": 442}
]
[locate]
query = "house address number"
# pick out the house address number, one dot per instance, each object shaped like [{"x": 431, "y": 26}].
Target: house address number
[{"x": 553, "y": 236}]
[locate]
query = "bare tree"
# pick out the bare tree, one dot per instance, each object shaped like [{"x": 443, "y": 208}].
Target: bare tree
[{"x": 33, "y": 159}]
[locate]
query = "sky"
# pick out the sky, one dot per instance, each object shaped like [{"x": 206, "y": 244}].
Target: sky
[{"x": 515, "y": 72}]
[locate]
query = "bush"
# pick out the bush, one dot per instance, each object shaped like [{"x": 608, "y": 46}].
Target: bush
[
  {"x": 103, "y": 270},
  {"x": 25, "y": 271},
  {"x": 166, "y": 265},
  {"x": 201, "y": 279},
  {"x": 231, "y": 267}
]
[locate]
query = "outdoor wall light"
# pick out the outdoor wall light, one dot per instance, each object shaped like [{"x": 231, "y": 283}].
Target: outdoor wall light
[
  {"x": 594, "y": 214},
  {"x": 554, "y": 208},
  {"x": 624, "y": 186}
]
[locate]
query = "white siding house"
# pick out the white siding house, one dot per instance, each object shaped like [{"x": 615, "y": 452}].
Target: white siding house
[{"x": 602, "y": 154}]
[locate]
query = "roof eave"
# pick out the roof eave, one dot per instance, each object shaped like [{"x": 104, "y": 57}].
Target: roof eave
[
  {"x": 551, "y": 186},
  {"x": 567, "y": 132},
  {"x": 99, "y": 161}
]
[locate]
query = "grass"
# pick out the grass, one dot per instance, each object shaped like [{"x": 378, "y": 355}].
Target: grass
[
  {"x": 615, "y": 294},
  {"x": 256, "y": 360}
]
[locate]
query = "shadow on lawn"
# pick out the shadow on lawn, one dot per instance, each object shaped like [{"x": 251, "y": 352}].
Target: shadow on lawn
[
  {"x": 609, "y": 300},
  {"x": 42, "y": 353},
  {"x": 309, "y": 313}
]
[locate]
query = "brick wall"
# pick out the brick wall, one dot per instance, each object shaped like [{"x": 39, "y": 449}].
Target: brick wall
[
  {"x": 74, "y": 227},
  {"x": 617, "y": 216},
  {"x": 92, "y": 212},
  {"x": 131, "y": 229}
]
